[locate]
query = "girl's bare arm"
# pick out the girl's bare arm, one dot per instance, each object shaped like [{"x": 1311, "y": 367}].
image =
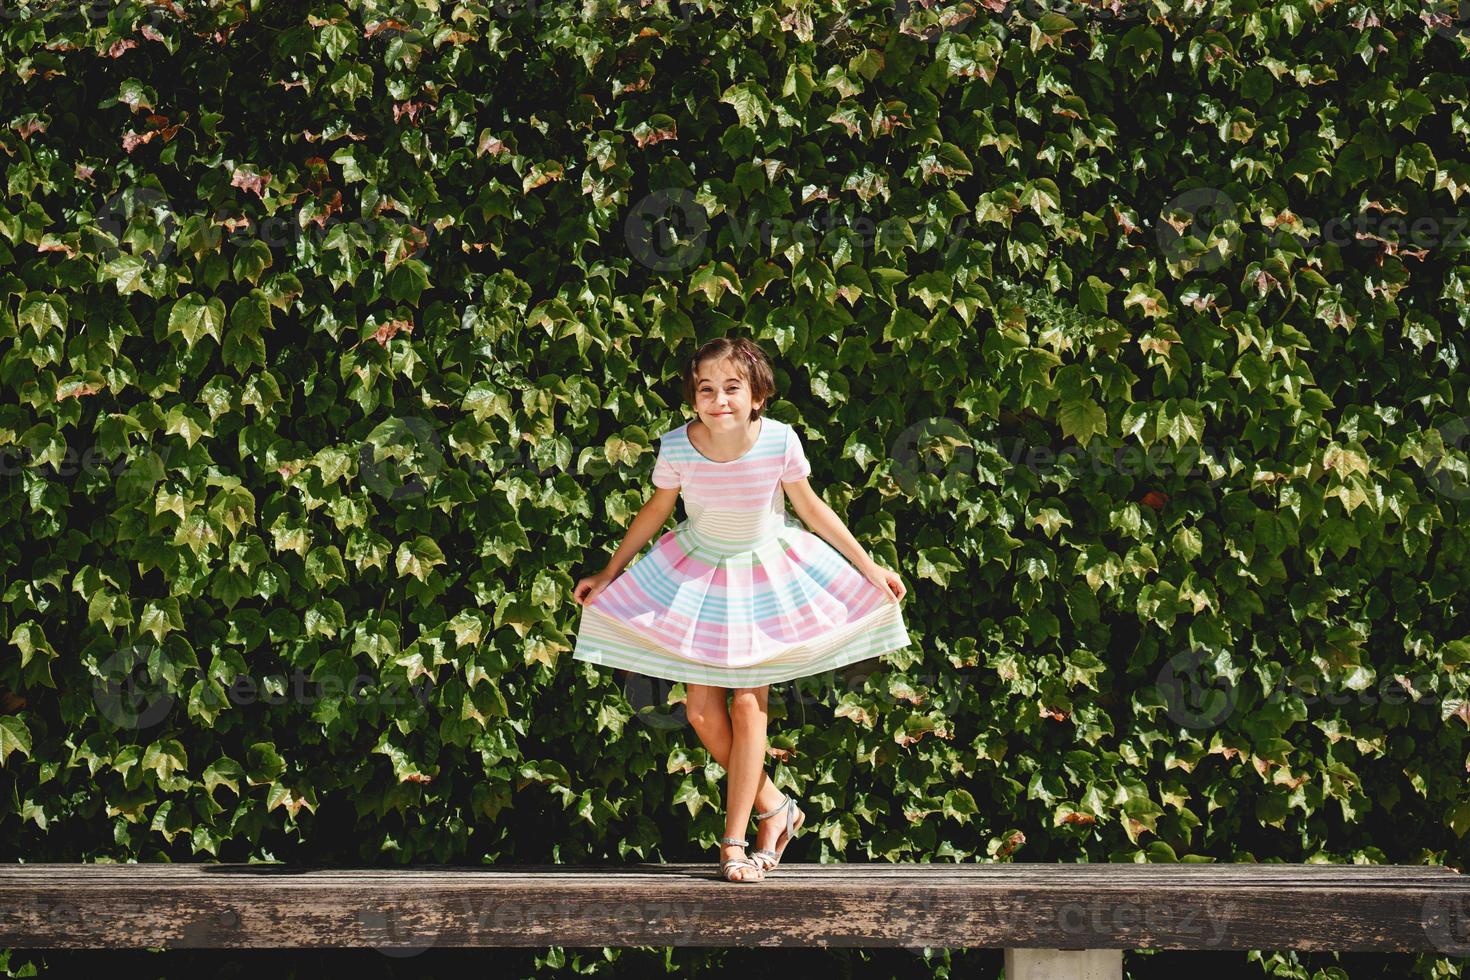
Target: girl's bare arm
[
  {"x": 645, "y": 524},
  {"x": 816, "y": 514}
]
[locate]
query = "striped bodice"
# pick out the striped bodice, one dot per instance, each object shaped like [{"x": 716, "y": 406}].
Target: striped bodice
[{"x": 736, "y": 505}]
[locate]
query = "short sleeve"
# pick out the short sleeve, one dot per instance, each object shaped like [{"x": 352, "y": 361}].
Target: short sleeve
[
  {"x": 665, "y": 475},
  {"x": 795, "y": 466}
]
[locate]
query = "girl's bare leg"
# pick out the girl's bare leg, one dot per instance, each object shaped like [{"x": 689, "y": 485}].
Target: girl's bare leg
[{"x": 736, "y": 739}]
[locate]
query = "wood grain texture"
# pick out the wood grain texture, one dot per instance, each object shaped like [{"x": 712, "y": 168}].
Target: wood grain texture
[{"x": 1066, "y": 906}]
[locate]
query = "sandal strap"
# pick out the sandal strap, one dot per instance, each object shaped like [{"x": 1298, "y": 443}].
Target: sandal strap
[
  {"x": 785, "y": 802},
  {"x": 737, "y": 841}
]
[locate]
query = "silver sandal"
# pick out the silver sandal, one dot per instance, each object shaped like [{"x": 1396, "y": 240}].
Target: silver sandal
[
  {"x": 795, "y": 818},
  {"x": 737, "y": 862}
]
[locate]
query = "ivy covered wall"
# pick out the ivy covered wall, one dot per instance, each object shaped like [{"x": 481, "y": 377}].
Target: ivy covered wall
[{"x": 338, "y": 337}]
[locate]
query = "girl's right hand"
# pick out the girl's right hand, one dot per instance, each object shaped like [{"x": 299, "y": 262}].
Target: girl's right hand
[{"x": 587, "y": 588}]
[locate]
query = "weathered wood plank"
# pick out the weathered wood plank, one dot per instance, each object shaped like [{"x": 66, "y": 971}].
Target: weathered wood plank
[
  {"x": 1064, "y": 906},
  {"x": 1330, "y": 875}
]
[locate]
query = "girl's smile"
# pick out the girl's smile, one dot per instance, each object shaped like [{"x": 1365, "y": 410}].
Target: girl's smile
[{"x": 722, "y": 398}]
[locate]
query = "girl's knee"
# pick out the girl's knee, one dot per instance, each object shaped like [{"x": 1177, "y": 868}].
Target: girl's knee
[
  {"x": 704, "y": 705},
  {"x": 747, "y": 703},
  {"x": 702, "y": 718}
]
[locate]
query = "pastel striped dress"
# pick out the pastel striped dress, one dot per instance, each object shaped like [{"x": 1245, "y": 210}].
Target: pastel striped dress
[{"x": 739, "y": 593}]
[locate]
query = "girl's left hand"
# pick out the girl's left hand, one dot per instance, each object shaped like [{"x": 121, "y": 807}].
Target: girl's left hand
[{"x": 888, "y": 581}]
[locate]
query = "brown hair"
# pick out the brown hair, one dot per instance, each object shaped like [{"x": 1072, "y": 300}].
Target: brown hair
[{"x": 749, "y": 359}]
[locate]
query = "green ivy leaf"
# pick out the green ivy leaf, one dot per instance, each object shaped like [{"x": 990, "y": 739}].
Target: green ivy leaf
[
  {"x": 418, "y": 557},
  {"x": 937, "y": 564},
  {"x": 1081, "y": 419},
  {"x": 193, "y": 316},
  {"x": 43, "y": 313},
  {"x": 251, "y": 260},
  {"x": 750, "y": 102},
  {"x": 31, "y": 638},
  {"x": 164, "y": 758},
  {"x": 264, "y": 763},
  {"x": 960, "y": 805},
  {"x": 127, "y": 273},
  {"x": 15, "y": 736},
  {"x": 407, "y": 281}
]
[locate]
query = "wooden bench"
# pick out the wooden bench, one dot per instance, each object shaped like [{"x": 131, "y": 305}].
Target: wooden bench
[{"x": 1056, "y": 921}]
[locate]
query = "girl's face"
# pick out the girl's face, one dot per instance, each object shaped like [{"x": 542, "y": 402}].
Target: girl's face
[{"x": 722, "y": 395}]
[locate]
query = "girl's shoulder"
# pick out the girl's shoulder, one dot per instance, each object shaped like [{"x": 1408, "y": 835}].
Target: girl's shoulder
[
  {"x": 774, "y": 433},
  {"x": 675, "y": 433},
  {"x": 787, "y": 431}
]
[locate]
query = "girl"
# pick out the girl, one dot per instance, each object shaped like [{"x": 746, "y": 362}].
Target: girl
[{"x": 738, "y": 595}]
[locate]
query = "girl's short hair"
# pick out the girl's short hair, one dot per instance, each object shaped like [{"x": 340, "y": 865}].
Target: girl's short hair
[{"x": 750, "y": 361}]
